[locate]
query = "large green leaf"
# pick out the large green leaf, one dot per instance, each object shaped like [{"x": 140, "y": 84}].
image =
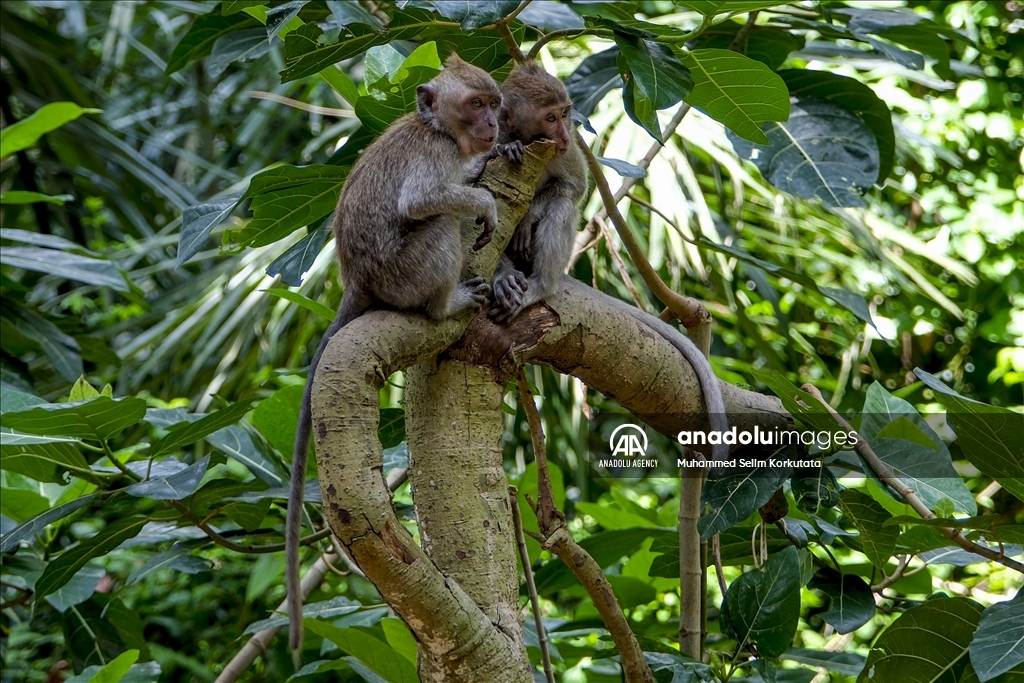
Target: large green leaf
[
  {"x": 91, "y": 271},
  {"x": 853, "y": 603},
  {"x": 58, "y": 572},
  {"x": 380, "y": 657},
  {"x": 738, "y": 91},
  {"x": 869, "y": 517},
  {"x": 287, "y": 198},
  {"x": 764, "y": 604},
  {"x": 769, "y": 45},
  {"x": 189, "y": 432},
  {"x": 305, "y": 55},
  {"x": 822, "y": 152},
  {"x": 595, "y": 77},
  {"x": 197, "y": 222},
  {"x": 854, "y": 96},
  {"x": 846, "y": 663},
  {"x": 100, "y": 418},
  {"x": 277, "y": 415},
  {"x": 736, "y": 494},
  {"x": 998, "y": 645},
  {"x": 656, "y": 70},
  {"x": 472, "y": 14},
  {"x": 201, "y": 36},
  {"x": 25, "y": 133},
  {"x": 991, "y": 437},
  {"x": 22, "y": 197},
  {"x": 299, "y": 258},
  {"x": 927, "y": 644}
]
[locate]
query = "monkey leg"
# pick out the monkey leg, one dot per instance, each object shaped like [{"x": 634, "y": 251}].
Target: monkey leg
[{"x": 424, "y": 274}]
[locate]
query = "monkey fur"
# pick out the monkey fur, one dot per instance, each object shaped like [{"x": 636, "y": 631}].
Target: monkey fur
[
  {"x": 397, "y": 233},
  {"x": 536, "y": 106}
]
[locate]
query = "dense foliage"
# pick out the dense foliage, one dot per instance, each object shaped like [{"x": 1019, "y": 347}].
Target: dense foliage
[{"x": 845, "y": 193}]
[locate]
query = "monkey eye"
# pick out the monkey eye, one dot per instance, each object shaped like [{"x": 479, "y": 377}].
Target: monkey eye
[
  {"x": 477, "y": 103},
  {"x": 495, "y": 104},
  {"x": 551, "y": 118}
]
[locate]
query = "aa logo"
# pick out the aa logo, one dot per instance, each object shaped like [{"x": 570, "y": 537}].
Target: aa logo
[{"x": 628, "y": 441}]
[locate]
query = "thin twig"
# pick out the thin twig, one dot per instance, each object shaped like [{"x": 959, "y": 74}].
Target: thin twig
[
  {"x": 744, "y": 31},
  {"x": 510, "y": 42},
  {"x": 894, "y": 577},
  {"x": 886, "y": 474},
  {"x": 690, "y": 311},
  {"x": 556, "y": 538},
  {"x": 531, "y": 585},
  {"x": 516, "y": 11},
  {"x": 620, "y": 265}
]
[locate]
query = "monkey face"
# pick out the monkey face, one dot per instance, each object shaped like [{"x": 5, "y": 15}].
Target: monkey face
[
  {"x": 479, "y": 119},
  {"x": 556, "y": 122}
]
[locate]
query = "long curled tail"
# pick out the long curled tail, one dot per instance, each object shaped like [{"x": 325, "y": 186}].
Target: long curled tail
[{"x": 351, "y": 308}]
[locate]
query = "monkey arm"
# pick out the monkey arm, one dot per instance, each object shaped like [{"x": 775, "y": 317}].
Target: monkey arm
[{"x": 421, "y": 196}]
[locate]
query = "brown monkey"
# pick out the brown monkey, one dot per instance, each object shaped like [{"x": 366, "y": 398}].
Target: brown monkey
[
  {"x": 397, "y": 234},
  {"x": 536, "y": 106}
]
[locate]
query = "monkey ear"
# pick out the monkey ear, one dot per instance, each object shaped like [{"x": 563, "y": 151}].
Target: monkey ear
[{"x": 425, "y": 96}]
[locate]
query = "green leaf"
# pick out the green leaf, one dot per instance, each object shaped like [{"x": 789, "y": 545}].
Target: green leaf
[
  {"x": 846, "y": 663},
  {"x": 485, "y": 51},
  {"x": 387, "y": 100},
  {"x": 710, "y": 8},
  {"x": 229, "y": 7},
  {"x": 798, "y": 402},
  {"x": 655, "y": 69},
  {"x": 822, "y": 152},
  {"x": 173, "y": 487},
  {"x": 347, "y": 12},
  {"x": 176, "y": 558},
  {"x": 277, "y": 416},
  {"x": 198, "y": 41},
  {"x": 341, "y": 83},
  {"x": 35, "y": 526},
  {"x": 327, "y": 609},
  {"x": 869, "y": 517},
  {"x": 60, "y": 571},
  {"x": 324, "y": 312},
  {"x": 304, "y": 55},
  {"x": 764, "y": 604},
  {"x": 853, "y": 603},
  {"x": 25, "y": 133},
  {"x": 380, "y": 657},
  {"x": 288, "y": 198},
  {"x": 768, "y": 45},
  {"x": 22, "y": 197},
  {"x": 80, "y": 588},
  {"x": 856, "y": 97},
  {"x": 116, "y": 669},
  {"x": 189, "y": 432},
  {"x": 595, "y": 77},
  {"x": 99, "y": 418},
  {"x": 299, "y": 258},
  {"x": 243, "y": 45},
  {"x": 990, "y": 436},
  {"x": 236, "y": 443},
  {"x": 472, "y": 14},
  {"x": 998, "y": 644},
  {"x": 606, "y": 547},
  {"x": 92, "y": 271},
  {"x": 927, "y": 643},
  {"x": 641, "y": 110},
  {"x": 399, "y": 637},
  {"x": 738, "y": 91},
  {"x": 197, "y": 222},
  {"x": 735, "y": 495},
  {"x": 391, "y": 428}
]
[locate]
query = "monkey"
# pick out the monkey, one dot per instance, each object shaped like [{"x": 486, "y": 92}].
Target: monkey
[
  {"x": 398, "y": 240},
  {"x": 536, "y": 106}
]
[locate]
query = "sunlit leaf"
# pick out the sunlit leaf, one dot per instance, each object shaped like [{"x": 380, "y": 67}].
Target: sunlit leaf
[
  {"x": 25, "y": 133},
  {"x": 61, "y": 570}
]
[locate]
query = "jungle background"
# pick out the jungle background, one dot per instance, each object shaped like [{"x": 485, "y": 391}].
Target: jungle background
[{"x": 167, "y": 168}]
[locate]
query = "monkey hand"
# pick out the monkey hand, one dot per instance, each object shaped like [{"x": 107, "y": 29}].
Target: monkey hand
[
  {"x": 513, "y": 151},
  {"x": 489, "y": 218},
  {"x": 521, "y": 244},
  {"x": 509, "y": 288}
]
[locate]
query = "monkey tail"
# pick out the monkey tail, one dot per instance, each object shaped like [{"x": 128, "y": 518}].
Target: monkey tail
[
  {"x": 352, "y": 306},
  {"x": 709, "y": 386}
]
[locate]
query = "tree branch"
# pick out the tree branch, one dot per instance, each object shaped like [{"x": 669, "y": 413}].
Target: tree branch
[{"x": 886, "y": 474}]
